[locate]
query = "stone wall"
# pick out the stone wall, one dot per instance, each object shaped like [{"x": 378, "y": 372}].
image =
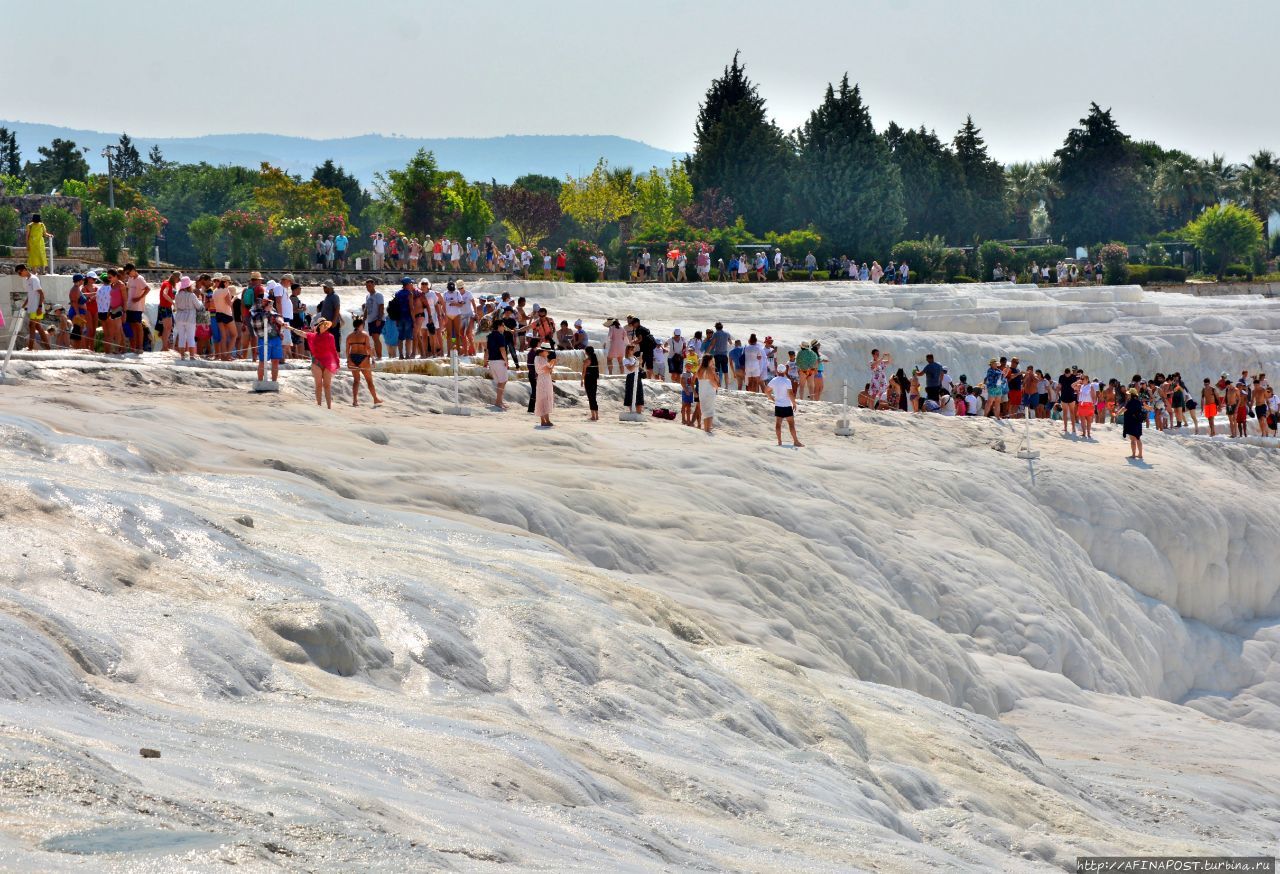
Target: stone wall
[
  {"x": 1221, "y": 289},
  {"x": 28, "y": 205}
]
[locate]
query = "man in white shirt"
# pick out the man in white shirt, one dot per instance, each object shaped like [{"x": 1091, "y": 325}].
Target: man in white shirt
[
  {"x": 784, "y": 407},
  {"x": 379, "y": 250},
  {"x": 35, "y": 307},
  {"x": 453, "y": 315},
  {"x": 433, "y": 306},
  {"x": 973, "y": 402},
  {"x": 777, "y": 264}
]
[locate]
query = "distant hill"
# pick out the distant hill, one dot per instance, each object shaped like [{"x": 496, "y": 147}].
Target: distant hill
[{"x": 500, "y": 158}]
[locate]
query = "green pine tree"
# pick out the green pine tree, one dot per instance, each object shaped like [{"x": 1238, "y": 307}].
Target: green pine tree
[
  {"x": 988, "y": 213},
  {"x": 933, "y": 191},
  {"x": 127, "y": 163},
  {"x": 10, "y": 157},
  {"x": 1100, "y": 176},
  {"x": 845, "y": 181},
  {"x": 59, "y": 161},
  {"x": 740, "y": 151}
]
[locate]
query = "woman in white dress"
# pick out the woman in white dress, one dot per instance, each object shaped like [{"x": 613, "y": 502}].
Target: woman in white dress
[{"x": 708, "y": 382}]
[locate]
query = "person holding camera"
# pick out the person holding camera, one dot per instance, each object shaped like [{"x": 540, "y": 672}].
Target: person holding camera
[{"x": 543, "y": 364}]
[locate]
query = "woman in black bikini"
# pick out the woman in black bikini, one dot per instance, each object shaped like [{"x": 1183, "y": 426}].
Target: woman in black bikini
[{"x": 359, "y": 362}]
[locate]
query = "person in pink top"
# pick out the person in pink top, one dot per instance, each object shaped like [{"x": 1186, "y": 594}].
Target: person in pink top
[
  {"x": 546, "y": 395},
  {"x": 616, "y": 346},
  {"x": 324, "y": 360},
  {"x": 136, "y": 290}
]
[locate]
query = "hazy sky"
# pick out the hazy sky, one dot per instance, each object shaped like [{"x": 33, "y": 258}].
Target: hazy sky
[{"x": 1196, "y": 75}]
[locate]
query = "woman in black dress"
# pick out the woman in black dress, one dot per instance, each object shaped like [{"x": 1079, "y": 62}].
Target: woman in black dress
[
  {"x": 904, "y": 386},
  {"x": 1135, "y": 414},
  {"x": 590, "y": 378}
]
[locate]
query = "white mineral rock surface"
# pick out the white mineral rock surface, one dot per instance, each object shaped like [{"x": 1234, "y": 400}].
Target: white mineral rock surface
[{"x": 391, "y": 640}]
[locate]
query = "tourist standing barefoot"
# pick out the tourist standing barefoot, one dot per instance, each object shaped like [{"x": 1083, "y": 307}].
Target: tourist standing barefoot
[
  {"x": 1135, "y": 415},
  {"x": 590, "y": 379},
  {"x": 360, "y": 361},
  {"x": 546, "y": 401},
  {"x": 784, "y": 407},
  {"x": 708, "y": 383},
  {"x": 324, "y": 360}
]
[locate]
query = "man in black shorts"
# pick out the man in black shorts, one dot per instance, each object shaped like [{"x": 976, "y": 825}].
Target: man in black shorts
[
  {"x": 1067, "y": 398},
  {"x": 784, "y": 407}
]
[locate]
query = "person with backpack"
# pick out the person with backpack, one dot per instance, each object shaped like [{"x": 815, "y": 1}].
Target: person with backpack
[
  {"x": 375, "y": 315},
  {"x": 400, "y": 311}
]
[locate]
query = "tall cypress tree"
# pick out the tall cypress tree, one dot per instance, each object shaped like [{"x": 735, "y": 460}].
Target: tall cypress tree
[
  {"x": 933, "y": 191},
  {"x": 983, "y": 181},
  {"x": 1103, "y": 196},
  {"x": 845, "y": 180},
  {"x": 740, "y": 151},
  {"x": 128, "y": 163},
  {"x": 10, "y": 157}
]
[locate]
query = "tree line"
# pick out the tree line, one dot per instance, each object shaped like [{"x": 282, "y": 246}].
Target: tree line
[{"x": 835, "y": 185}]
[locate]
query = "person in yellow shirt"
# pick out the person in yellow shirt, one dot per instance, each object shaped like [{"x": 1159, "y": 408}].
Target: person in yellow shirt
[{"x": 37, "y": 253}]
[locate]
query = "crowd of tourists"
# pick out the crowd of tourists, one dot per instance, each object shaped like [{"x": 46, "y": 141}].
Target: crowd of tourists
[
  {"x": 400, "y": 252},
  {"x": 1079, "y": 400},
  {"x": 266, "y": 322}
]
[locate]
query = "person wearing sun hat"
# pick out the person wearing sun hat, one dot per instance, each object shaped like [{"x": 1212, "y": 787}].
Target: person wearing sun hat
[
  {"x": 323, "y": 346},
  {"x": 185, "y": 303}
]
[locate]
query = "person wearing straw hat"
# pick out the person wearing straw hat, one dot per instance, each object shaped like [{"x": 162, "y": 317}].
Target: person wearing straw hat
[
  {"x": 543, "y": 365},
  {"x": 324, "y": 359},
  {"x": 185, "y": 304}
]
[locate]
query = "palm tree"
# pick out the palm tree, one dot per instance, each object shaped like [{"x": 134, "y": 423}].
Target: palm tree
[
  {"x": 1259, "y": 185},
  {"x": 1182, "y": 186},
  {"x": 1027, "y": 187},
  {"x": 1223, "y": 177}
]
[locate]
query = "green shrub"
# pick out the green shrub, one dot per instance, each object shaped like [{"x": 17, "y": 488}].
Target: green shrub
[
  {"x": 961, "y": 278},
  {"x": 797, "y": 243},
  {"x": 1275, "y": 245},
  {"x": 108, "y": 226},
  {"x": 1144, "y": 274},
  {"x": 144, "y": 224},
  {"x": 62, "y": 223},
  {"x": 1115, "y": 263},
  {"x": 1042, "y": 255},
  {"x": 1238, "y": 271},
  {"x": 10, "y": 224},
  {"x": 1155, "y": 254},
  {"x": 924, "y": 257},
  {"x": 205, "y": 232},
  {"x": 581, "y": 267},
  {"x": 954, "y": 262},
  {"x": 992, "y": 253}
]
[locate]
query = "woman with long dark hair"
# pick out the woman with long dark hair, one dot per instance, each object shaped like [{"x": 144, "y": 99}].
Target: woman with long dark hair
[
  {"x": 708, "y": 382},
  {"x": 1135, "y": 415},
  {"x": 590, "y": 379},
  {"x": 904, "y": 386}
]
